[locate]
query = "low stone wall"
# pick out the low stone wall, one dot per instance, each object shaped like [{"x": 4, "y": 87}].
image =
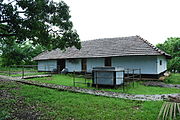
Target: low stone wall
[
  {"x": 95, "y": 92},
  {"x": 99, "y": 92}
]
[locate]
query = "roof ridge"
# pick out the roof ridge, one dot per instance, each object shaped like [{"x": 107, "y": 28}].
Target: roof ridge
[
  {"x": 152, "y": 46},
  {"x": 107, "y": 38}
]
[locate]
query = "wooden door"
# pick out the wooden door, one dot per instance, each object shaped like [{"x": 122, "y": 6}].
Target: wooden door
[
  {"x": 84, "y": 65},
  {"x": 61, "y": 65}
]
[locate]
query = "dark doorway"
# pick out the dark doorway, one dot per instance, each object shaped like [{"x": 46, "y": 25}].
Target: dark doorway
[
  {"x": 107, "y": 61},
  {"x": 84, "y": 65},
  {"x": 60, "y": 64}
]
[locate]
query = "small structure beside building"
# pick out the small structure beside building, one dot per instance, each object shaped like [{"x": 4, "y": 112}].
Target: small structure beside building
[
  {"x": 126, "y": 52},
  {"x": 108, "y": 76}
]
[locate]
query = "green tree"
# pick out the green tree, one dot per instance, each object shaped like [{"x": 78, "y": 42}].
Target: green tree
[
  {"x": 19, "y": 54},
  {"x": 172, "y": 47},
  {"x": 43, "y": 22}
]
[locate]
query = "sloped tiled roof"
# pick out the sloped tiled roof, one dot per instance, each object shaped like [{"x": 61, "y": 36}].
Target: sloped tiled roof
[{"x": 106, "y": 47}]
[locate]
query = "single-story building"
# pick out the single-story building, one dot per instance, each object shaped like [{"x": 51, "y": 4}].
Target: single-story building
[{"x": 127, "y": 52}]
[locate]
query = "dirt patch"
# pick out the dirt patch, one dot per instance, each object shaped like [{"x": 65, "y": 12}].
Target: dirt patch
[
  {"x": 14, "y": 105},
  {"x": 6, "y": 87},
  {"x": 136, "y": 107},
  {"x": 24, "y": 111},
  {"x": 174, "y": 99},
  {"x": 161, "y": 84}
]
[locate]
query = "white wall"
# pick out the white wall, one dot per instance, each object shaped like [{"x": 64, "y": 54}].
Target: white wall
[
  {"x": 163, "y": 67},
  {"x": 94, "y": 62},
  {"x": 91, "y": 62},
  {"x": 146, "y": 63},
  {"x": 47, "y": 65},
  {"x": 73, "y": 65}
]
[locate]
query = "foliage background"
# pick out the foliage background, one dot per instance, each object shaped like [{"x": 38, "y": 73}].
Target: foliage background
[
  {"x": 172, "y": 47},
  {"x": 29, "y": 27}
]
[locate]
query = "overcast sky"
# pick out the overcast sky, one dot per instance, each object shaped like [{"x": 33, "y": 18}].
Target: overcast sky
[{"x": 154, "y": 20}]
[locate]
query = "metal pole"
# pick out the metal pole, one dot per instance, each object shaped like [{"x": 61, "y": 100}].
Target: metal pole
[
  {"x": 58, "y": 69},
  {"x": 128, "y": 72},
  {"x": 123, "y": 80},
  {"x": 133, "y": 77},
  {"x": 23, "y": 72},
  {"x": 114, "y": 78},
  {"x": 74, "y": 78},
  {"x": 92, "y": 77},
  {"x": 96, "y": 80},
  {"x": 85, "y": 77},
  {"x": 140, "y": 73},
  {"x": 9, "y": 70}
]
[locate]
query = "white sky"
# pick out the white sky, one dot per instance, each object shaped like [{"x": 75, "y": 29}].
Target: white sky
[{"x": 154, "y": 20}]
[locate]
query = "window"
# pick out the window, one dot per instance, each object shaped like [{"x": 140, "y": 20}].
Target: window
[
  {"x": 160, "y": 62},
  {"x": 107, "y": 62}
]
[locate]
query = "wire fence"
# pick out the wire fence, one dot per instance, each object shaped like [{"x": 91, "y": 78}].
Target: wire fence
[
  {"x": 127, "y": 77},
  {"x": 126, "y": 80},
  {"x": 25, "y": 71}
]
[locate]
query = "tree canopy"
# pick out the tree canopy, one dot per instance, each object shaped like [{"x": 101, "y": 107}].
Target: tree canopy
[
  {"x": 19, "y": 54},
  {"x": 43, "y": 22},
  {"x": 172, "y": 47}
]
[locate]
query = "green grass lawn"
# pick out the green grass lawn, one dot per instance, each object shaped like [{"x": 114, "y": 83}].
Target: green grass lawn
[
  {"x": 138, "y": 89},
  {"x": 19, "y": 74},
  {"x": 61, "y": 105},
  {"x": 29, "y": 74},
  {"x": 173, "y": 79}
]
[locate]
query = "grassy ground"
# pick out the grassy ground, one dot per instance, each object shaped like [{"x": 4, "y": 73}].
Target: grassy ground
[
  {"x": 137, "y": 89},
  {"x": 14, "y": 71},
  {"x": 20, "y": 101},
  {"x": 27, "y": 73},
  {"x": 173, "y": 79}
]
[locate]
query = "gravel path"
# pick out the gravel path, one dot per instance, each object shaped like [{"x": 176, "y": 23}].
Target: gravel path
[{"x": 94, "y": 92}]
